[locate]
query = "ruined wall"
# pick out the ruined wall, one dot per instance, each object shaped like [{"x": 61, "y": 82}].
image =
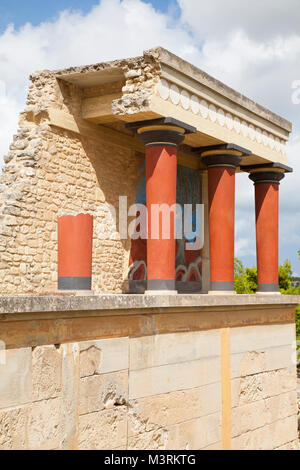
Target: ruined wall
[
  {"x": 143, "y": 390},
  {"x": 50, "y": 172}
]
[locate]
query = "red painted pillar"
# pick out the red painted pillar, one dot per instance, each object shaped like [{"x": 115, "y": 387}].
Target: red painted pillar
[
  {"x": 161, "y": 179},
  {"x": 161, "y": 138},
  {"x": 75, "y": 240},
  {"x": 267, "y": 181},
  {"x": 221, "y": 194}
]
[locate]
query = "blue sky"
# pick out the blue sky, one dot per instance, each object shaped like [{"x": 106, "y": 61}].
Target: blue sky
[
  {"x": 238, "y": 46},
  {"x": 37, "y": 11}
]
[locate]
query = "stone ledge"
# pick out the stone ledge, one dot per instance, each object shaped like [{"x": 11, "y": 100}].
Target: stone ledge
[{"x": 68, "y": 303}]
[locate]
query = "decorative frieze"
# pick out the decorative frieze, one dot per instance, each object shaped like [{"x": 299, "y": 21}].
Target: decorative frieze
[{"x": 197, "y": 105}]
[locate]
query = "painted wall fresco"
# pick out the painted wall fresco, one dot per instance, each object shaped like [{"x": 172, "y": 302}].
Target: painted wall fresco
[{"x": 188, "y": 262}]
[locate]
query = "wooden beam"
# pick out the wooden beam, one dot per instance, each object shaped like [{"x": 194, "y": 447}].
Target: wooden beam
[
  {"x": 110, "y": 136},
  {"x": 99, "y": 109}
]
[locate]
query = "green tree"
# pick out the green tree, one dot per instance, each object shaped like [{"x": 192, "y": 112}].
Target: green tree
[
  {"x": 245, "y": 279},
  {"x": 285, "y": 275}
]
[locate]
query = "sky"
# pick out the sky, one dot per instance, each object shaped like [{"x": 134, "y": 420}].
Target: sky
[{"x": 254, "y": 47}]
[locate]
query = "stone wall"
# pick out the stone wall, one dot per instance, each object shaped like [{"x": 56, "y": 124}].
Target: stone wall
[
  {"x": 167, "y": 381},
  {"x": 50, "y": 172}
]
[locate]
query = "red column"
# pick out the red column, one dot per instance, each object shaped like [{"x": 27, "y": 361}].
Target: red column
[
  {"x": 161, "y": 138},
  {"x": 75, "y": 239},
  {"x": 221, "y": 193},
  {"x": 161, "y": 179},
  {"x": 267, "y": 220},
  {"x": 266, "y": 207}
]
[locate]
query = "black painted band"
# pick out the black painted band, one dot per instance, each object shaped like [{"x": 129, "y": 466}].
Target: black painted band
[
  {"x": 161, "y": 137},
  {"x": 222, "y": 286},
  {"x": 266, "y": 177},
  {"x": 157, "y": 144},
  {"x": 74, "y": 283},
  {"x": 161, "y": 284},
  {"x": 182, "y": 287},
  {"x": 268, "y": 288},
  {"x": 222, "y": 160}
]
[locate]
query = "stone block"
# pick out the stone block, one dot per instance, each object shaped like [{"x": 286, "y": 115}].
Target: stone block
[
  {"x": 151, "y": 413},
  {"x": 195, "y": 434},
  {"x": 261, "y": 337},
  {"x": 103, "y": 391},
  {"x": 46, "y": 372},
  {"x": 103, "y": 356},
  {"x": 153, "y": 351},
  {"x": 268, "y": 437},
  {"x": 255, "y": 362},
  {"x": 16, "y": 380},
  {"x": 103, "y": 430},
  {"x": 174, "y": 377},
  {"x": 44, "y": 425},
  {"x": 13, "y": 429}
]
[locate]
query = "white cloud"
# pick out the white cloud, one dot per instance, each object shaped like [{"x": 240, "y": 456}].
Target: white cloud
[
  {"x": 113, "y": 29},
  {"x": 259, "y": 19},
  {"x": 254, "y": 48}
]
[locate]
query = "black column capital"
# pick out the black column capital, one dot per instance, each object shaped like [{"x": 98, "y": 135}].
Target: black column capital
[
  {"x": 162, "y": 131},
  {"x": 271, "y": 173}
]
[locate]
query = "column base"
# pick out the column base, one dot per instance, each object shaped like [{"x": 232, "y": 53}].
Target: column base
[
  {"x": 268, "y": 289},
  {"x": 222, "y": 288}
]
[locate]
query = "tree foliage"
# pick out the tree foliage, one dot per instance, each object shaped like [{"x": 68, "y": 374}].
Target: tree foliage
[{"x": 245, "y": 279}]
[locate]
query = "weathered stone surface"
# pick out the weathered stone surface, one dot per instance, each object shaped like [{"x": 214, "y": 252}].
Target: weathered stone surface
[
  {"x": 261, "y": 413},
  {"x": 13, "y": 429},
  {"x": 168, "y": 378},
  {"x": 103, "y": 392},
  {"x": 268, "y": 437},
  {"x": 16, "y": 381},
  {"x": 152, "y": 351},
  {"x": 46, "y": 372},
  {"x": 269, "y": 359},
  {"x": 103, "y": 430},
  {"x": 44, "y": 425},
  {"x": 152, "y": 413},
  {"x": 258, "y": 387},
  {"x": 195, "y": 434},
  {"x": 262, "y": 337},
  {"x": 103, "y": 356},
  {"x": 70, "y": 396}
]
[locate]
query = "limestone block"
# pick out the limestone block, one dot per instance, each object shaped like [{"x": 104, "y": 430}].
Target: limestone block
[
  {"x": 294, "y": 445},
  {"x": 268, "y": 437},
  {"x": 195, "y": 434},
  {"x": 153, "y": 440},
  {"x": 255, "y": 362},
  {"x": 103, "y": 391},
  {"x": 258, "y": 414},
  {"x": 253, "y": 338},
  {"x": 103, "y": 356},
  {"x": 152, "y": 351},
  {"x": 70, "y": 396},
  {"x": 13, "y": 427},
  {"x": 44, "y": 425},
  {"x": 258, "y": 387},
  {"x": 174, "y": 377},
  {"x": 46, "y": 372},
  {"x": 103, "y": 430},
  {"x": 151, "y": 413},
  {"x": 15, "y": 382}
]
